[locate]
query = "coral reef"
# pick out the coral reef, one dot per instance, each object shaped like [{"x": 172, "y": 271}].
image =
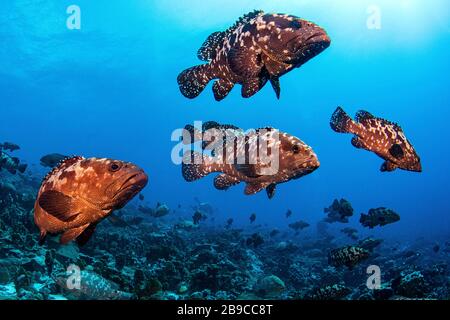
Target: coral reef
[{"x": 169, "y": 257}]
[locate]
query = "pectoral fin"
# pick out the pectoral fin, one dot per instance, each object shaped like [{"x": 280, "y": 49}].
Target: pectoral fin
[
  {"x": 244, "y": 62},
  {"x": 59, "y": 205}
]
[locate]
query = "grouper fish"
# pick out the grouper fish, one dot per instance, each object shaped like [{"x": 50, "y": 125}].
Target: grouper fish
[
  {"x": 238, "y": 158},
  {"x": 257, "y": 49},
  {"x": 79, "y": 193},
  {"x": 385, "y": 138}
]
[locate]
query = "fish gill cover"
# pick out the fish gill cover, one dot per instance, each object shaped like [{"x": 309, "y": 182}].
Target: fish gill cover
[{"x": 316, "y": 169}]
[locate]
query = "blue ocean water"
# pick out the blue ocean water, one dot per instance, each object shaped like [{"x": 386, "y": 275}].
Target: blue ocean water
[{"x": 110, "y": 90}]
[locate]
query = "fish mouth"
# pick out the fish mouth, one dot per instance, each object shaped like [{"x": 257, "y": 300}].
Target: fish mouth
[
  {"x": 132, "y": 185},
  {"x": 306, "y": 167},
  {"x": 137, "y": 180},
  {"x": 416, "y": 168},
  {"x": 305, "y": 49}
]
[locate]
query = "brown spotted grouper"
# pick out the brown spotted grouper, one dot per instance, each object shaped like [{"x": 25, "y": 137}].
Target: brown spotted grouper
[
  {"x": 242, "y": 157},
  {"x": 386, "y": 139},
  {"x": 258, "y": 48},
  {"x": 79, "y": 193}
]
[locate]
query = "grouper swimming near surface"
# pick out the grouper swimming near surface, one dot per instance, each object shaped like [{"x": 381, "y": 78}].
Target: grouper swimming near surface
[{"x": 257, "y": 49}]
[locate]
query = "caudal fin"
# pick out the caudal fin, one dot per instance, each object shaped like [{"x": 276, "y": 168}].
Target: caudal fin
[
  {"x": 341, "y": 122},
  {"x": 196, "y": 166},
  {"x": 364, "y": 220},
  {"x": 192, "y": 81}
]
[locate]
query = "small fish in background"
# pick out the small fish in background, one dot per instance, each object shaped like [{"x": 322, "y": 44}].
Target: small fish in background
[
  {"x": 386, "y": 139},
  {"x": 92, "y": 287},
  {"x": 257, "y": 49},
  {"x": 274, "y": 233},
  {"x": 255, "y": 240},
  {"x": 379, "y": 217},
  {"x": 288, "y": 213},
  {"x": 298, "y": 226},
  {"x": 161, "y": 210},
  {"x": 141, "y": 197},
  {"x": 52, "y": 160},
  {"x": 330, "y": 292},
  {"x": 229, "y": 223},
  {"x": 409, "y": 254},
  {"x": 295, "y": 160},
  {"x": 197, "y": 217},
  {"x": 8, "y": 146},
  {"x": 75, "y": 196},
  {"x": 146, "y": 210},
  {"x": 370, "y": 243},
  {"x": 117, "y": 221},
  {"x": 348, "y": 256},
  {"x": 351, "y": 233},
  {"x": 11, "y": 164},
  {"x": 252, "y": 217},
  {"x": 204, "y": 207},
  {"x": 135, "y": 221},
  {"x": 436, "y": 248},
  {"x": 339, "y": 211}
]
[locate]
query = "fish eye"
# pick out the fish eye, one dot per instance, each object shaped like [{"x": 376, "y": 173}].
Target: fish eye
[
  {"x": 295, "y": 149},
  {"x": 114, "y": 166},
  {"x": 295, "y": 24}
]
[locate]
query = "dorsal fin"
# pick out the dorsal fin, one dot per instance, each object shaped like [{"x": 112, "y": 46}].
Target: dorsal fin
[
  {"x": 394, "y": 124},
  {"x": 362, "y": 115},
  {"x": 207, "y": 51},
  {"x": 62, "y": 164},
  {"x": 246, "y": 18},
  {"x": 265, "y": 129}
]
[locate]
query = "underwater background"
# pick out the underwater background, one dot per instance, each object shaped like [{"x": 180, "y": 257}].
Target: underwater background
[{"x": 109, "y": 90}]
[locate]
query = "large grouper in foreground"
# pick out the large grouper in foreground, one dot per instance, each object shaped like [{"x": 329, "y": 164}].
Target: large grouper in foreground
[
  {"x": 257, "y": 49},
  {"x": 79, "y": 193}
]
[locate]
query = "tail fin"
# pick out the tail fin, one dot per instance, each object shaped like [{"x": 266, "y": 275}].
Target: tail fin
[
  {"x": 191, "y": 134},
  {"x": 22, "y": 168},
  {"x": 341, "y": 122},
  {"x": 196, "y": 166},
  {"x": 194, "y": 135},
  {"x": 192, "y": 81},
  {"x": 363, "y": 219}
]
